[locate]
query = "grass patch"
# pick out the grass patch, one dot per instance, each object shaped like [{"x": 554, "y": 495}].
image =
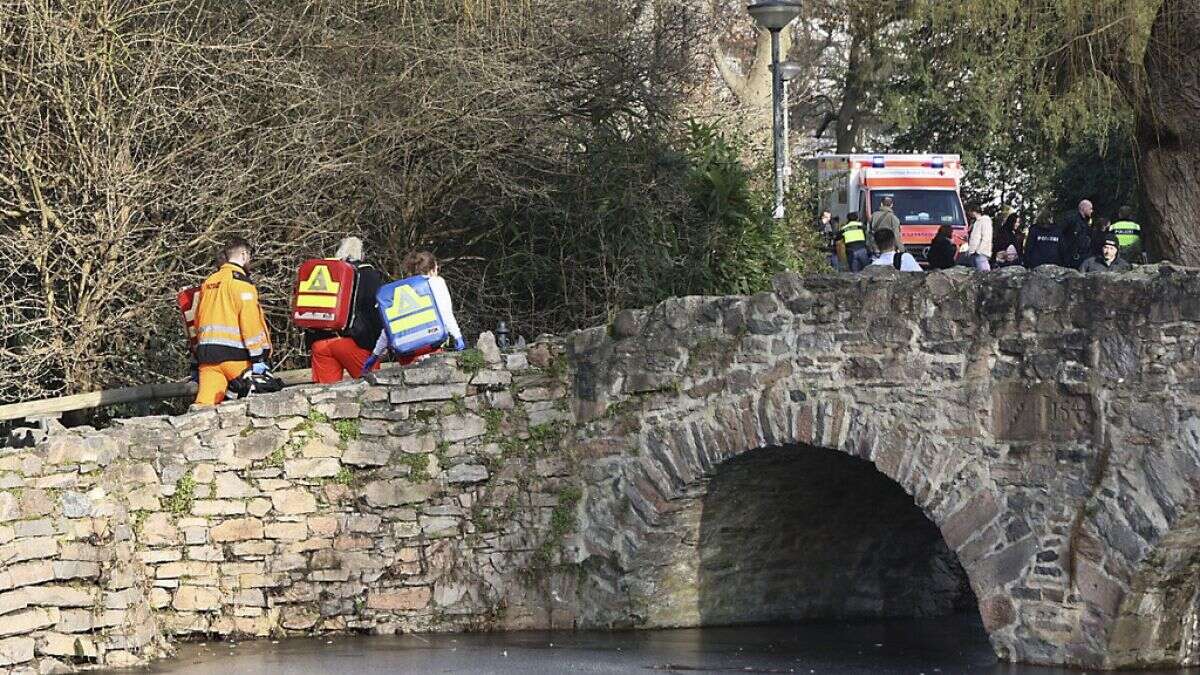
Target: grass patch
[
  {"x": 493, "y": 418},
  {"x": 343, "y": 477},
  {"x": 275, "y": 459},
  {"x": 542, "y": 439},
  {"x": 418, "y": 467},
  {"x": 347, "y": 430},
  {"x": 471, "y": 361},
  {"x": 181, "y": 502},
  {"x": 310, "y": 423},
  {"x": 562, "y": 523}
]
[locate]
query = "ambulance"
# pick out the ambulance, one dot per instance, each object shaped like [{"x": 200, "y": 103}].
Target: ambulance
[{"x": 924, "y": 189}]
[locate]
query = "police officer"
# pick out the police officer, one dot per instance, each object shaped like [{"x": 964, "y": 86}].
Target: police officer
[
  {"x": 1077, "y": 235},
  {"x": 1129, "y": 234},
  {"x": 853, "y": 236},
  {"x": 1044, "y": 245}
]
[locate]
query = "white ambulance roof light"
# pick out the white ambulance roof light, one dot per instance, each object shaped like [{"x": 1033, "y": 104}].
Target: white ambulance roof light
[
  {"x": 877, "y": 161},
  {"x": 938, "y": 162}
]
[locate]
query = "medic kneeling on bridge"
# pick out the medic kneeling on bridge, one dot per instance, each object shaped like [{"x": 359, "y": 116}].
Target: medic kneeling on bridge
[
  {"x": 334, "y": 302},
  {"x": 232, "y": 341},
  {"x": 417, "y": 313}
]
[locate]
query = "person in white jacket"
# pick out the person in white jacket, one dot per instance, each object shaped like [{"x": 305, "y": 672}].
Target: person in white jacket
[
  {"x": 979, "y": 243},
  {"x": 423, "y": 263}
]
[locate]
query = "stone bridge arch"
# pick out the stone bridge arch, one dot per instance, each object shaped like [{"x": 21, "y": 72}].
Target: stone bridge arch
[
  {"x": 949, "y": 483},
  {"x": 1051, "y": 440}
]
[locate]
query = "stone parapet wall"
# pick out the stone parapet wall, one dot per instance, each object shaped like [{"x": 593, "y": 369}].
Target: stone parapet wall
[{"x": 422, "y": 504}]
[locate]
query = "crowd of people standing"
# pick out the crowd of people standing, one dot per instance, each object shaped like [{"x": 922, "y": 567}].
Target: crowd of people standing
[{"x": 1080, "y": 240}]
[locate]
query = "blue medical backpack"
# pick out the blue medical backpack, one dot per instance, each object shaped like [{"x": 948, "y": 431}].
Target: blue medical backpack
[{"x": 410, "y": 315}]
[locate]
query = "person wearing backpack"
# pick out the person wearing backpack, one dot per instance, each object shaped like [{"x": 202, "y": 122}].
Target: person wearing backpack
[
  {"x": 885, "y": 241},
  {"x": 334, "y": 352},
  {"x": 422, "y": 265}
]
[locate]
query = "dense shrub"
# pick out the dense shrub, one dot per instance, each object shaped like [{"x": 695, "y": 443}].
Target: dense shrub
[{"x": 540, "y": 147}]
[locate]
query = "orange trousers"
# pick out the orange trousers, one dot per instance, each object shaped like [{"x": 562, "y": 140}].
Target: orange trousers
[
  {"x": 333, "y": 355},
  {"x": 413, "y": 357},
  {"x": 215, "y": 378}
]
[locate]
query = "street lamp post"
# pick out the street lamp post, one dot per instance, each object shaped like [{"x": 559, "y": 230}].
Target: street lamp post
[
  {"x": 775, "y": 15},
  {"x": 788, "y": 70}
]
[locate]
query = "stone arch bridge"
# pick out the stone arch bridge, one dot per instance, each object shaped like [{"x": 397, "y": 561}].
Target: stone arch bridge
[{"x": 1021, "y": 445}]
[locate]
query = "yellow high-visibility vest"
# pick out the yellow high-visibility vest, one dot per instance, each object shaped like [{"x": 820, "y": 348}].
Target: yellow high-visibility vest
[
  {"x": 853, "y": 233},
  {"x": 1128, "y": 233}
]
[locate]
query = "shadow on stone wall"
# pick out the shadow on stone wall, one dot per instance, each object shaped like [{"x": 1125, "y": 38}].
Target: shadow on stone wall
[{"x": 798, "y": 532}]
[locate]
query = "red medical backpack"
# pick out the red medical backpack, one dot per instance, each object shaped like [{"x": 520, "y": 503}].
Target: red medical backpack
[
  {"x": 324, "y": 295},
  {"x": 188, "y": 299}
]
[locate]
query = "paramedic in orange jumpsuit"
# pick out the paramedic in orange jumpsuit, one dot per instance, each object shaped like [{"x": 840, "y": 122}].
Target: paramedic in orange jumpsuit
[
  {"x": 231, "y": 333},
  {"x": 348, "y": 350}
]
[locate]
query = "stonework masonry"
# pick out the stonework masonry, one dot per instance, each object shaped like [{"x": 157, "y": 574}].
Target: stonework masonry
[{"x": 1046, "y": 424}]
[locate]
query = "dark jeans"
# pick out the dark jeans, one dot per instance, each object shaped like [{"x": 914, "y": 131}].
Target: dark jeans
[{"x": 858, "y": 258}]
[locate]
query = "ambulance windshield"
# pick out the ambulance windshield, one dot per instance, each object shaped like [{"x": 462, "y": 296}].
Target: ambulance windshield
[{"x": 922, "y": 207}]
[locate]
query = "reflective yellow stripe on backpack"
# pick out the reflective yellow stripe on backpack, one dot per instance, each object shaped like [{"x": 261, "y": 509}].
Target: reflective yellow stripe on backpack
[{"x": 409, "y": 309}]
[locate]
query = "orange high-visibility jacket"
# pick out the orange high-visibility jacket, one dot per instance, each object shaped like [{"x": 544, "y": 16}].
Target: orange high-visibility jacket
[{"x": 229, "y": 322}]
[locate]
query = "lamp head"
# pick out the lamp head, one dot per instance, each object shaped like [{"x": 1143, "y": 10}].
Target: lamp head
[
  {"x": 774, "y": 15},
  {"x": 790, "y": 70}
]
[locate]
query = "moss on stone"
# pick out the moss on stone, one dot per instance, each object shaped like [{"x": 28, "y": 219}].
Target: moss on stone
[
  {"x": 442, "y": 452},
  {"x": 275, "y": 459},
  {"x": 557, "y": 368},
  {"x": 181, "y": 502},
  {"x": 424, "y": 417},
  {"x": 456, "y": 405},
  {"x": 471, "y": 361},
  {"x": 348, "y": 430},
  {"x": 418, "y": 467},
  {"x": 493, "y": 419}
]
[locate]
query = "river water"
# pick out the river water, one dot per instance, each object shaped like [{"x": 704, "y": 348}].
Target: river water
[{"x": 910, "y": 647}]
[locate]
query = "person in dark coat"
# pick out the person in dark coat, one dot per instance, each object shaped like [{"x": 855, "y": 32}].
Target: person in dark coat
[
  {"x": 1010, "y": 241},
  {"x": 1080, "y": 217},
  {"x": 1077, "y": 235},
  {"x": 1044, "y": 244},
  {"x": 943, "y": 250},
  {"x": 1109, "y": 260}
]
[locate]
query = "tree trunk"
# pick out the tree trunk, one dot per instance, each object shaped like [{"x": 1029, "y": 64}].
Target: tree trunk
[
  {"x": 853, "y": 93},
  {"x": 753, "y": 90},
  {"x": 1169, "y": 133}
]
